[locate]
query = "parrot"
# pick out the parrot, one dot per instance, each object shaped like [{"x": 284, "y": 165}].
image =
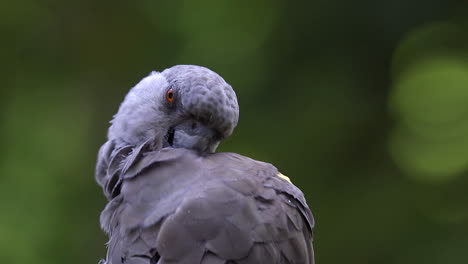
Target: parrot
[{"x": 172, "y": 199}]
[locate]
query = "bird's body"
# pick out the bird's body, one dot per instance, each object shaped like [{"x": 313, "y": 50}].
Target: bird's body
[{"x": 188, "y": 205}]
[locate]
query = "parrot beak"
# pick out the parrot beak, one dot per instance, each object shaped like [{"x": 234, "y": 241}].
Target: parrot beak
[{"x": 193, "y": 134}]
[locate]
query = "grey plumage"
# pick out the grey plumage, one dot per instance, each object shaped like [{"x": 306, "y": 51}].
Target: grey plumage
[{"x": 187, "y": 204}]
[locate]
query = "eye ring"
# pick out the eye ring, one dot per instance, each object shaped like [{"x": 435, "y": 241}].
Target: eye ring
[{"x": 170, "y": 95}]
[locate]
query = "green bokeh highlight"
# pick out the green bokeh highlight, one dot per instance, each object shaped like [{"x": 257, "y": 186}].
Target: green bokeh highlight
[{"x": 429, "y": 101}]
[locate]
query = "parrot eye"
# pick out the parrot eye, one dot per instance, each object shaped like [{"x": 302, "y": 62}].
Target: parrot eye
[{"x": 170, "y": 95}]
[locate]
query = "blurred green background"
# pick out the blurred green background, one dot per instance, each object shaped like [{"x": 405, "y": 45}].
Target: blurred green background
[{"x": 364, "y": 104}]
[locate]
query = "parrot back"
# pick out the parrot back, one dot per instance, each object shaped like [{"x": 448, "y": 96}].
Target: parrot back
[{"x": 181, "y": 206}]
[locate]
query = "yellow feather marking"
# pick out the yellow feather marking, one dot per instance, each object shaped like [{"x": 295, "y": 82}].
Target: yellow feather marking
[{"x": 284, "y": 177}]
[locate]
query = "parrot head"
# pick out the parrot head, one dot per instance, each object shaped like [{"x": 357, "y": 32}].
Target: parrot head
[{"x": 185, "y": 106}]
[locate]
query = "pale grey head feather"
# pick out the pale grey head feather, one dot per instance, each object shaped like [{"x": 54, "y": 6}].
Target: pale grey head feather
[{"x": 200, "y": 93}]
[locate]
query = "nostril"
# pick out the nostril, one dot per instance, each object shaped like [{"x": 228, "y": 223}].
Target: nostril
[{"x": 194, "y": 125}]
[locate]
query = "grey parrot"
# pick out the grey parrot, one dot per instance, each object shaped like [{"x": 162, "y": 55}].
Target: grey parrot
[{"x": 173, "y": 199}]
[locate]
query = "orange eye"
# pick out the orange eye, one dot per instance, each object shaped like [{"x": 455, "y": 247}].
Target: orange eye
[{"x": 170, "y": 95}]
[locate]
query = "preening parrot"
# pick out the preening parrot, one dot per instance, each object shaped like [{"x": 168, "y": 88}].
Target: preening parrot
[{"x": 173, "y": 199}]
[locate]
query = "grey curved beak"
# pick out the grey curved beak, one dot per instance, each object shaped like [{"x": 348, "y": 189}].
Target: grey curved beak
[{"x": 193, "y": 134}]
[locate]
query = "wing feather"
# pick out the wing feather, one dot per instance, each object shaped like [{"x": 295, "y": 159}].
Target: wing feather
[{"x": 178, "y": 206}]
